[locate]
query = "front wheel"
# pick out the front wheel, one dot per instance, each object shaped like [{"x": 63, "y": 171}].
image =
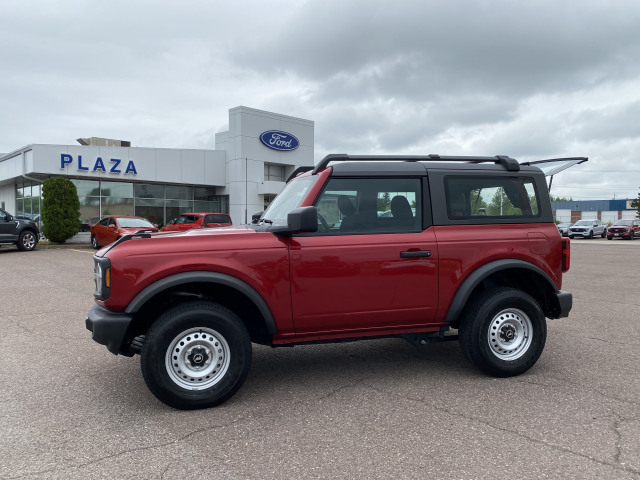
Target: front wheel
[
  {"x": 503, "y": 332},
  {"x": 94, "y": 242},
  {"x": 27, "y": 241},
  {"x": 196, "y": 355}
]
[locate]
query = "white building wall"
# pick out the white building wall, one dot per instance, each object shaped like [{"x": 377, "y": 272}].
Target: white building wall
[
  {"x": 563, "y": 215},
  {"x": 8, "y": 197},
  {"x": 609, "y": 216},
  {"x": 246, "y": 156},
  {"x": 629, "y": 214}
]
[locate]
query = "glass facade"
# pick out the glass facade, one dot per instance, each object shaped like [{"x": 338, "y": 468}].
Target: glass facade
[{"x": 157, "y": 203}]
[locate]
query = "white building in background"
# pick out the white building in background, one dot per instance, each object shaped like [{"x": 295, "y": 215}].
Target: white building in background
[{"x": 247, "y": 168}]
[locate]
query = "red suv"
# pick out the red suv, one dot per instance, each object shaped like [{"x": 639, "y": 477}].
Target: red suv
[
  {"x": 187, "y": 221},
  {"x": 428, "y": 249},
  {"x": 628, "y": 229}
]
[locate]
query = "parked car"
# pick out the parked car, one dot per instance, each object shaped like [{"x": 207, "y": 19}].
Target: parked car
[
  {"x": 20, "y": 230},
  {"x": 112, "y": 227},
  {"x": 87, "y": 225},
  {"x": 563, "y": 228},
  {"x": 628, "y": 229},
  {"x": 588, "y": 229},
  {"x": 187, "y": 221}
]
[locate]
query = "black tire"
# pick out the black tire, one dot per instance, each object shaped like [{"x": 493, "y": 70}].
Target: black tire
[
  {"x": 571, "y": 237},
  {"x": 604, "y": 233},
  {"x": 591, "y": 235},
  {"x": 176, "y": 356},
  {"x": 27, "y": 241},
  {"x": 503, "y": 332},
  {"x": 94, "y": 242}
]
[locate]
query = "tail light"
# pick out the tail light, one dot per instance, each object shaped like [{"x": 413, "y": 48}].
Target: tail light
[{"x": 566, "y": 254}]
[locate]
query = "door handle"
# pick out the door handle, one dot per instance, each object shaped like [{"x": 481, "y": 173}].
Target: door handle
[{"x": 414, "y": 254}]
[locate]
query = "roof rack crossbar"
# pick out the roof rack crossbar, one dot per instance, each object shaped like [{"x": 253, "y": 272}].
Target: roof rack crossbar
[{"x": 510, "y": 164}]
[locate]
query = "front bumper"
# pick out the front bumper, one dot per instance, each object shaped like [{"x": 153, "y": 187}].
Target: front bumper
[{"x": 108, "y": 328}]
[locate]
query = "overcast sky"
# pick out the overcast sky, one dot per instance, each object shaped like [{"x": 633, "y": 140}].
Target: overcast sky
[{"x": 528, "y": 79}]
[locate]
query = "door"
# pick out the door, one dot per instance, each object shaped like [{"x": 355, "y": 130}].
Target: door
[
  {"x": 8, "y": 230},
  {"x": 371, "y": 265}
]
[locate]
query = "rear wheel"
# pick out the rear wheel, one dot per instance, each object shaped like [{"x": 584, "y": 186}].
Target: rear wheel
[
  {"x": 503, "y": 332},
  {"x": 196, "y": 355}
]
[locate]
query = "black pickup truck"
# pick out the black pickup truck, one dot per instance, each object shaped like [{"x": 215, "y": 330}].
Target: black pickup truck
[{"x": 20, "y": 232}]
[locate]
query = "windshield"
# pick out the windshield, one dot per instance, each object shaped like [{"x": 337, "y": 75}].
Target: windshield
[
  {"x": 134, "y": 223},
  {"x": 288, "y": 199},
  {"x": 583, "y": 222},
  {"x": 624, "y": 222}
]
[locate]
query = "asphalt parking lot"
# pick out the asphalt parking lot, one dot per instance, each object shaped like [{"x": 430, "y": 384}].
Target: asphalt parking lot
[{"x": 373, "y": 409}]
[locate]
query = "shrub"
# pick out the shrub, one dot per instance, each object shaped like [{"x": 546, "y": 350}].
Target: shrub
[{"x": 60, "y": 209}]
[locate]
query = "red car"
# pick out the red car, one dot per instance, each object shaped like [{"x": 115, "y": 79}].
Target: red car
[
  {"x": 111, "y": 228},
  {"x": 628, "y": 229},
  {"x": 187, "y": 221}
]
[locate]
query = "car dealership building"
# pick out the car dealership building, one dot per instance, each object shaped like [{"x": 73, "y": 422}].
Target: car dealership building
[{"x": 247, "y": 169}]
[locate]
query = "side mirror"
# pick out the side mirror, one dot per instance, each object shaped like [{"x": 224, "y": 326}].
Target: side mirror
[
  {"x": 255, "y": 218},
  {"x": 112, "y": 226},
  {"x": 299, "y": 220},
  {"x": 172, "y": 222}
]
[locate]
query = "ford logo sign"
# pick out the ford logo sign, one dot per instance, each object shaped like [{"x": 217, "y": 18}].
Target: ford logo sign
[{"x": 279, "y": 140}]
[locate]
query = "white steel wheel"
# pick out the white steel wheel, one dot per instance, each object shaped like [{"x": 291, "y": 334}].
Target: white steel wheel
[
  {"x": 509, "y": 334},
  {"x": 197, "y": 358}
]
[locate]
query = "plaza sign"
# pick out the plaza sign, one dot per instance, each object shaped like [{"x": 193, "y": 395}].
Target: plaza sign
[
  {"x": 113, "y": 165},
  {"x": 279, "y": 140}
]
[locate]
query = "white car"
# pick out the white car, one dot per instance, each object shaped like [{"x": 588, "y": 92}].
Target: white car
[{"x": 588, "y": 229}]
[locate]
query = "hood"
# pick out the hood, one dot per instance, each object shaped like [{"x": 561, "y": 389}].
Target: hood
[{"x": 193, "y": 239}]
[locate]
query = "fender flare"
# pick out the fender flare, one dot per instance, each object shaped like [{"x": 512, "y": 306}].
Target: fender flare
[
  {"x": 204, "y": 277},
  {"x": 472, "y": 281}
]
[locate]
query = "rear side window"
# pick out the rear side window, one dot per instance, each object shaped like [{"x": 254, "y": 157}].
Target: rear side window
[{"x": 486, "y": 197}]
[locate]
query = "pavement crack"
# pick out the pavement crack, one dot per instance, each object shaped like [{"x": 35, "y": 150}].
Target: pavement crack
[
  {"x": 129, "y": 451},
  {"x": 617, "y": 465}
]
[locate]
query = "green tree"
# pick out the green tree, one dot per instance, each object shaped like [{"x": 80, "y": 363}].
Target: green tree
[
  {"x": 636, "y": 204},
  {"x": 60, "y": 209}
]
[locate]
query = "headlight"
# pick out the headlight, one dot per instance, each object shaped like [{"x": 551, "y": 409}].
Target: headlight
[{"x": 102, "y": 277}]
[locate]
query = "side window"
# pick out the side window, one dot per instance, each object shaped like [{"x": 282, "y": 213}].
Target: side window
[
  {"x": 104, "y": 222},
  {"x": 484, "y": 196},
  {"x": 370, "y": 205}
]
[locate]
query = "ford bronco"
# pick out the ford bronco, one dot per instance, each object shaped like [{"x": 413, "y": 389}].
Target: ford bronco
[{"x": 428, "y": 249}]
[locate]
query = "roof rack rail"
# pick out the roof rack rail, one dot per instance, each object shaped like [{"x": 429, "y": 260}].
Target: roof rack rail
[
  {"x": 297, "y": 172},
  {"x": 510, "y": 164}
]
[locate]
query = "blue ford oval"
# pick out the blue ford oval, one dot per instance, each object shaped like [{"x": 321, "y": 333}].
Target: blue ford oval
[{"x": 279, "y": 140}]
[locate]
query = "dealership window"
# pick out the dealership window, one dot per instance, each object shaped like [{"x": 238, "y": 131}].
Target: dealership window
[
  {"x": 273, "y": 173},
  {"x": 28, "y": 198},
  {"x": 267, "y": 200}
]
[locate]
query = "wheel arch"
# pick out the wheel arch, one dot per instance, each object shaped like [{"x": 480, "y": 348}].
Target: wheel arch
[
  {"x": 226, "y": 290},
  {"x": 508, "y": 272}
]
